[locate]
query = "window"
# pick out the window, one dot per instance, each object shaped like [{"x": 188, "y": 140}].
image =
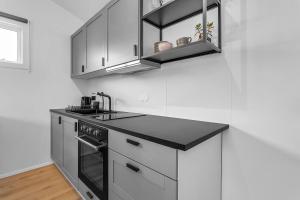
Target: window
[{"x": 14, "y": 42}]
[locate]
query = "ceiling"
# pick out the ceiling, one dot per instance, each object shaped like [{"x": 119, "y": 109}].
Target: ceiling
[{"x": 83, "y": 9}]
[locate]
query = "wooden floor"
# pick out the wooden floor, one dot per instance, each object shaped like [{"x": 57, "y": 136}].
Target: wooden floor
[{"x": 40, "y": 184}]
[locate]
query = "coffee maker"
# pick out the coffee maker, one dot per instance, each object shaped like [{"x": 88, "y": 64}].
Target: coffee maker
[{"x": 86, "y": 102}]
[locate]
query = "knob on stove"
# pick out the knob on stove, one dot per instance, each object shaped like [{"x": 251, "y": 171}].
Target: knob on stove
[
  {"x": 83, "y": 127},
  {"x": 96, "y": 133},
  {"x": 89, "y": 130}
]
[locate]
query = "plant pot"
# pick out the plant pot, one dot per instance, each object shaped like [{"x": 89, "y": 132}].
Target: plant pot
[{"x": 162, "y": 46}]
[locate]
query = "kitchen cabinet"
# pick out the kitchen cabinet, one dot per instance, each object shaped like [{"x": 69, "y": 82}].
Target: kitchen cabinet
[
  {"x": 155, "y": 156},
  {"x": 78, "y": 42},
  {"x": 70, "y": 153},
  {"x": 110, "y": 42},
  {"x": 64, "y": 146},
  {"x": 96, "y": 34},
  {"x": 57, "y": 139},
  {"x": 142, "y": 170},
  {"x": 129, "y": 180},
  {"x": 123, "y": 31}
]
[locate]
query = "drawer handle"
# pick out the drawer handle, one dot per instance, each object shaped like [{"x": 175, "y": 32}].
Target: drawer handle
[
  {"x": 89, "y": 195},
  {"x": 133, "y": 168},
  {"x": 134, "y": 143},
  {"x": 75, "y": 126}
]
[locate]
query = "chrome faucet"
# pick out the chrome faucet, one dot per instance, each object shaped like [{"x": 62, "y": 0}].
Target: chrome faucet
[{"x": 101, "y": 94}]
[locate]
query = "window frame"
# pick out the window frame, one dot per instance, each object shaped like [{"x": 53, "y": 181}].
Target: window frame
[{"x": 23, "y": 31}]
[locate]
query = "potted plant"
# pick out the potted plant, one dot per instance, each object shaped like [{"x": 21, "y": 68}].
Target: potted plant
[
  {"x": 199, "y": 31},
  {"x": 210, "y": 27}
]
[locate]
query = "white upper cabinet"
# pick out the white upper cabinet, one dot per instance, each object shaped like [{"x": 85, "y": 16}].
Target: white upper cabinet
[
  {"x": 123, "y": 31},
  {"x": 96, "y": 45},
  {"x": 79, "y": 53}
]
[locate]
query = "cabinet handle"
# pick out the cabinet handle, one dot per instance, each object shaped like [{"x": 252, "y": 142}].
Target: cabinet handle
[
  {"x": 133, "y": 168},
  {"x": 59, "y": 120},
  {"x": 75, "y": 128},
  {"x": 89, "y": 195},
  {"x": 135, "y": 50},
  {"x": 103, "y": 62},
  {"x": 82, "y": 68},
  {"x": 134, "y": 143}
]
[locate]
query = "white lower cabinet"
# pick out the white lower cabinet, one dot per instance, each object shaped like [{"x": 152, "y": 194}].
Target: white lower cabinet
[
  {"x": 129, "y": 180},
  {"x": 57, "y": 139},
  {"x": 155, "y": 156},
  {"x": 142, "y": 170},
  {"x": 70, "y": 154},
  {"x": 64, "y": 146}
]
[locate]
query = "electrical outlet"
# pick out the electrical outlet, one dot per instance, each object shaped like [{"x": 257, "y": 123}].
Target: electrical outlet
[{"x": 144, "y": 98}]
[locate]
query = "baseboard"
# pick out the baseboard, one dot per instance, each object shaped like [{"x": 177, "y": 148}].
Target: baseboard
[{"x": 25, "y": 169}]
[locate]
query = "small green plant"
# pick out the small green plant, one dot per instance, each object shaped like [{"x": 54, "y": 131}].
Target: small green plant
[
  {"x": 199, "y": 30},
  {"x": 210, "y": 28}
]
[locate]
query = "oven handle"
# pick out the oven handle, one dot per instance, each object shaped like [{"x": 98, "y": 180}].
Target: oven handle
[{"x": 102, "y": 144}]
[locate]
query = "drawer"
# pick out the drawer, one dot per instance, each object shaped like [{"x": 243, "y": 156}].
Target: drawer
[
  {"x": 86, "y": 192},
  {"x": 129, "y": 180},
  {"x": 155, "y": 156}
]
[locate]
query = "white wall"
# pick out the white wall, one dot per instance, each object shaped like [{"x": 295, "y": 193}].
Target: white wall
[
  {"x": 253, "y": 85},
  {"x": 83, "y": 9},
  {"x": 26, "y": 97},
  {"x": 261, "y": 151}
]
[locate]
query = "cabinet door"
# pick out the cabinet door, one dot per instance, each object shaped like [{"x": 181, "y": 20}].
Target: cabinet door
[
  {"x": 123, "y": 23},
  {"x": 70, "y": 149},
  {"x": 129, "y": 180},
  {"x": 79, "y": 53},
  {"x": 96, "y": 42},
  {"x": 57, "y": 139},
  {"x": 155, "y": 156}
]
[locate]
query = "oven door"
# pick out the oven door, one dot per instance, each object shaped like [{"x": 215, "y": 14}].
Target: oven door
[{"x": 93, "y": 165}]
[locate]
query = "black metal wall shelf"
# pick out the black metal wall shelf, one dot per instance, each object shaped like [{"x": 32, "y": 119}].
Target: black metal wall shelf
[
  {"x": 175, "y": 11},
  {"x": 188, "y": 51}
]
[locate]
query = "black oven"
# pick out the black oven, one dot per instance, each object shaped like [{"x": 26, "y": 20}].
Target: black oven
[{"x": 93, "y": 158}]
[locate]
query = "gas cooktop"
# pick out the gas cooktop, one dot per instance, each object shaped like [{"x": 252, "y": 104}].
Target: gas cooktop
[{"x": 115, "y": 115}]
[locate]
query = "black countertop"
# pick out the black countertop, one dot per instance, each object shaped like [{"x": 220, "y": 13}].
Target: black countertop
[{"x": 176, "y": 133}]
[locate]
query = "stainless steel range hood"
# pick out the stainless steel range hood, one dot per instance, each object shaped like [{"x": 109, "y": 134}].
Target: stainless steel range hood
[{"x": 132, "y": 67}]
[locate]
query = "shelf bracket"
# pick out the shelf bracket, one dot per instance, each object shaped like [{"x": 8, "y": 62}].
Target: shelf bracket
[
  {"x": 204, "y": 20},
  {"x": 220, "y": 24}
]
